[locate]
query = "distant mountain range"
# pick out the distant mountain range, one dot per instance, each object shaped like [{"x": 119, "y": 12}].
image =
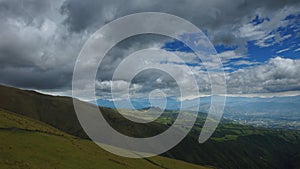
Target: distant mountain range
[
  {"x": 171, "y": 103},
  {"x": 34, "y": 126},
  {"x": 284, "y": 111},
  {"x": 139, "y": 103},
  {"x": 290, "y": 104}
]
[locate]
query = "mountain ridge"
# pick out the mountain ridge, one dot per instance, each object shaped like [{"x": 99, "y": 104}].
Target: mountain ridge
[
  {"x": 232, "y": 145},
  {"x": 28, "y": 143}
]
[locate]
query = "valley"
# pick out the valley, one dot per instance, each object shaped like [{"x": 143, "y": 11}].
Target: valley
[{"x": 233, "y": 145}]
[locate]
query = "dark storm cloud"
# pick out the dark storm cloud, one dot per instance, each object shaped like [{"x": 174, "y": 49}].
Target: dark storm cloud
[
  {"x": 36, "y": 79},
  {"x": 212, "y": 16},
  {"x": 40, "y": 40},
  {"x": 124, "y": 48},
  {"x": 36, "y": 50},
  {"x": 24, "y": 8}
]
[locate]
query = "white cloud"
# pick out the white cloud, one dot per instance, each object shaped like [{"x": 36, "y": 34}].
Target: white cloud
[
  {"x": 285, "y": 37},
  {"x": 267, "y": 95},
  {"x": 118, "y": 86},
  {"x": 41, "y": 44},
  {"x": 297, "y": 50},
  {"x": 265, "y": 34},
  {"x": 283, "y": 50},
  {"x": 244, "y": 62},
  {"x": 277, "y": 75},
  {"x": 230, "y": 54}
]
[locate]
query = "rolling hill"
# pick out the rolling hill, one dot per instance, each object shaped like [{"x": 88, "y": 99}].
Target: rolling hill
[
  {"x": 28, "y": 143},
  {"x": 232, "y": 145},
  {"x": 272, "y": 112}
]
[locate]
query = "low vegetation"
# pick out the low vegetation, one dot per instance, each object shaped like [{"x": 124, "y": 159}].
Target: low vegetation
[
  {"x": 232, "y": 145},
  {"x": 27, "y": 143}
]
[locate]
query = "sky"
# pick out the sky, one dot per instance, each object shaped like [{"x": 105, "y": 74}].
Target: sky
[{"x": 258, "y": 43}]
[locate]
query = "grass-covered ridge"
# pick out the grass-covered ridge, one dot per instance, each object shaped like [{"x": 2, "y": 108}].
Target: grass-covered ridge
[
  {"x": 28, "y": 143},
  {"x": 232, "y": 145}
]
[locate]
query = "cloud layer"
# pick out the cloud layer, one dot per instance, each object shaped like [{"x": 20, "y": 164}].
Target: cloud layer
[{"x": 40, "y": 41}]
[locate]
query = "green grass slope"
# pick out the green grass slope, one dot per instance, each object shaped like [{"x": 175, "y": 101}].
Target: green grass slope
[
  {"x": 55, "y": 111},
  {"x": 232, "y": 145},
  {"x": 28, "y": 143},
  {"x": 247, "y": 148}
]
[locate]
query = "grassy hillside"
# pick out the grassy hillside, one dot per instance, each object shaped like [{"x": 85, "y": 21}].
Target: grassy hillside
[
  {"x": 27, "y": 143},
  {"x": 235, "y": 146},
  {"x": 232, "y": 145},
  {"x": 56, "y": 111}
]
